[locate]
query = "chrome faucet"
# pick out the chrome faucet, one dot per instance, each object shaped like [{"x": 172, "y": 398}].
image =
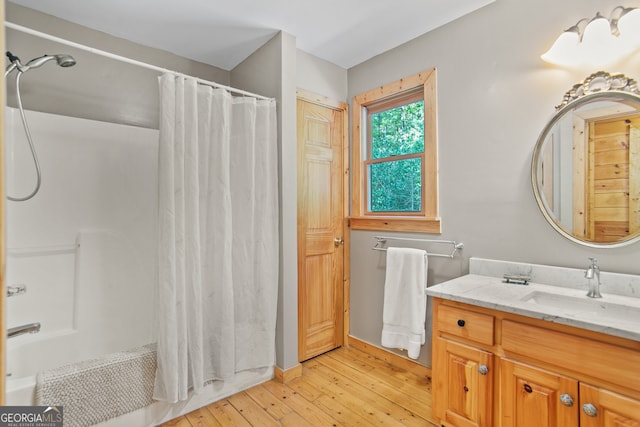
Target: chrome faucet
[
  {"x": 29, "y": 328},
  {"x": 593, "y": 271}
]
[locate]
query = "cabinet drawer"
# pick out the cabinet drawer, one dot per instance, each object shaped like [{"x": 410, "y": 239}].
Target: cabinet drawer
[
  {"x": 466, "y": 324},
  {"x": 600, "y": 360}
]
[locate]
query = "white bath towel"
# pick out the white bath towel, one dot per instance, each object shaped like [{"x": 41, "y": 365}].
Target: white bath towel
[{"x": 405, "y": 300}]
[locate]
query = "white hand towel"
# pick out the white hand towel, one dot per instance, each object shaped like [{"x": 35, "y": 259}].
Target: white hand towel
[{"x": 405, "y": 301}]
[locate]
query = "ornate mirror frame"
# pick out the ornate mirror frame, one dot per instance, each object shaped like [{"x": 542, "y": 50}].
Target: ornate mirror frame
[{"x": 600, "y": 86}]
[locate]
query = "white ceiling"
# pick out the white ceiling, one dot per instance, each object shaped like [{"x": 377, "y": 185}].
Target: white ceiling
[{"x": 224, "y": 33}]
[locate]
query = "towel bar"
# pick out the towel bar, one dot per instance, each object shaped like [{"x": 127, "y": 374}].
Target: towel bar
[{"x": 381, "y": 240}]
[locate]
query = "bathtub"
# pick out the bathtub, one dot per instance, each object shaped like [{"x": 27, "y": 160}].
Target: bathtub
[
  {"x": 91, "y": 298},
  {"x": 85, "y": 248},
  {"x": 21, "y": 391},
  {"x": 28, "y": 354}
]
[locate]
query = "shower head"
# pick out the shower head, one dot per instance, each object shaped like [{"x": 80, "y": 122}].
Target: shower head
[
  {"x": 65, "y": 60},
  {"x": 62, "y": 60}
]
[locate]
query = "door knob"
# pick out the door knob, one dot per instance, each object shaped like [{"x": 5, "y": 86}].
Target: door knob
[{"x": 337, "y": 241}]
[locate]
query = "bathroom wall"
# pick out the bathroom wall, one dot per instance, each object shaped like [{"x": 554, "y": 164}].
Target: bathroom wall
[
  {"x": 92, "y": 87},
  {"x": 271, "y": 71},
  {"x": 277, "y": 69},
  {"x": 495, "y": 95},
  {"x": 321, "y": 77},
  {"x": 95, "y": 85},
  {"x": 85, "y": 245}
]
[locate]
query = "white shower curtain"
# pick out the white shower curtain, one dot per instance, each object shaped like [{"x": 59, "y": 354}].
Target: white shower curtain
[{"x": 218, "y": 236}]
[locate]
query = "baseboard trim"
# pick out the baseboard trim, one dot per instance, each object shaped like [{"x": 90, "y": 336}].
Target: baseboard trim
[
  {"x": 287, "y": 375},
  {"x": 390, "y": 357}
]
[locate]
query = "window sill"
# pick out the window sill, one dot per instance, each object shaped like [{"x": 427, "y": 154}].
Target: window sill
[{"x": 417, "y": 225}]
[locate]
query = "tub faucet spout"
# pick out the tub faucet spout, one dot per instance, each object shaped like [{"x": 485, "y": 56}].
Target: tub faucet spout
[
  {"x": 593, "y": 272},
  {"x": 30, "y": 328}
]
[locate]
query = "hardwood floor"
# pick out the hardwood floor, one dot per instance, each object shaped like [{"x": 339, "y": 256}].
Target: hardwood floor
[{"x": 345, "y": 387}]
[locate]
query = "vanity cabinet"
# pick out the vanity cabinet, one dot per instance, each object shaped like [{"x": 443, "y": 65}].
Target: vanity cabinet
[
  {"x": 464, "y": 384},
  {"x": 532, "y": 397},
  {"x": 611, "y": 409},
  {"x": 493, "y": 368},
  {"x": 467, "y": 388}
]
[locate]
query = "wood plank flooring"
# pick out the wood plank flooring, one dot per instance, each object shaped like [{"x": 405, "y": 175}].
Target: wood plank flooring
[{"x": 345, "y": 387}]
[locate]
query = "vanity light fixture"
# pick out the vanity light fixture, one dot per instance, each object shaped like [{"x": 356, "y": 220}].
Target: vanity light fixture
[{"x": 597, "y": 41}]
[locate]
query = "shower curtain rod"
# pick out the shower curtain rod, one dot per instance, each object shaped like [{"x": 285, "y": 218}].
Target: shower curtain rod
[{"x": 120, "y": 58}]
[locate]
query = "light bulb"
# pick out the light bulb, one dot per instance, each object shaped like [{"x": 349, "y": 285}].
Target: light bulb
[
  {"x": 598, "y": 46},
  {"x": 565, "y": 49},
  {"x": 629, "y": 28}
]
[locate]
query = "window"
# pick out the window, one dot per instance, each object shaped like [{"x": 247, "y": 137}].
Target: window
[
  {"x": 395, "y": 147},
  {"x": 395, "y": 157}
]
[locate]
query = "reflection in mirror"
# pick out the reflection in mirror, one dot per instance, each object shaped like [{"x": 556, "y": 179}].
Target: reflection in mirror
[{"x": 586, "y": 166}]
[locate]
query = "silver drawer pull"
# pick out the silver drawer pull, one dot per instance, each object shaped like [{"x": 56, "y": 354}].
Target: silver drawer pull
[
  {"x": 483, "y": 370},
  {"x": 590, "y": 410},
  {"x": 566, "y": 400}
]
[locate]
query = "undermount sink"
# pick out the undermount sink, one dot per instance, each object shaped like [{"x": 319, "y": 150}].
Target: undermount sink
[{"x": 584, "y": 307}]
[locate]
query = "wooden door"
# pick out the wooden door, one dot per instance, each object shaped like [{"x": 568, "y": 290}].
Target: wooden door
[
  {"x": 634, "y": 179},
  {"x": 533, "y": 397},
  {"x": 321, "y": 172},
  {"x": 607, "y": 409},
  {"x": 463, "y": 385},
  {"x": 611, "y": 201}
]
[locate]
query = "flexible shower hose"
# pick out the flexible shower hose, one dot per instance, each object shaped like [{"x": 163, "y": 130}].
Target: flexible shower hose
[{"x": 31, "y": 146}]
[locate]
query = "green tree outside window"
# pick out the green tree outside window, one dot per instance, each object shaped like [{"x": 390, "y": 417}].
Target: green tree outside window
[{"x": 396, "y": 184}]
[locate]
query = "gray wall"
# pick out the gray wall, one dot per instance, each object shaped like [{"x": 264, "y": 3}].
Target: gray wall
[
  {"x": 104, "y": 89},
  {"x": 495, "y": 95},
  {"x": 321, "y": 77},
  {"x": 271, "y": 71},
  {"x": 95, "y": 88},
  {"x": 277, "y": 69}
]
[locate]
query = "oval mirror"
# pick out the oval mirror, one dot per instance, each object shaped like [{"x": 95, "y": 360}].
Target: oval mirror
[{"x": 586, "y": 164}]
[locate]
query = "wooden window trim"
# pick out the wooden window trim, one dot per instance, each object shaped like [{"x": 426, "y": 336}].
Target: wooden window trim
[{"x": 428, "y": 221}]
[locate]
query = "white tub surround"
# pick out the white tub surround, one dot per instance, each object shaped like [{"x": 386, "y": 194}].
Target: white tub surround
[
  {"x": 554, "y": 294},
  {"x": 84, "y": 247}
]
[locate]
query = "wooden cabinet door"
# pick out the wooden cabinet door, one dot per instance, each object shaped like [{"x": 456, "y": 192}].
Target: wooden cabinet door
[
  {"x": 603, "y": 408},
  {"x": 533, "y": 397},
  {"x": 463, "y": 385}
]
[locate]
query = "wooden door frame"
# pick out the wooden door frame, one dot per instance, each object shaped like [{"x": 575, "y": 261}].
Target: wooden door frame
[
  {"x": 344, "y": 108},
  {"x": 634, "y": 176}
]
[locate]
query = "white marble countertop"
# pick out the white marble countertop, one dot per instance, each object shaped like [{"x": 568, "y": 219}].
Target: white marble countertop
[{"x": 612, "y": 314}]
